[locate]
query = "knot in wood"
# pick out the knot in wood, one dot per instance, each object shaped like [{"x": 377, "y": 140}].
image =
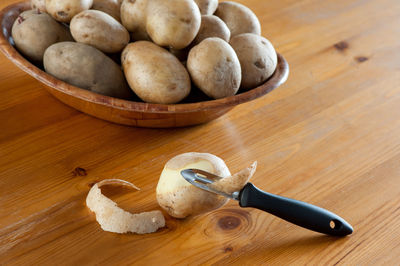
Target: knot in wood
[{"x": 229, "y": 222}]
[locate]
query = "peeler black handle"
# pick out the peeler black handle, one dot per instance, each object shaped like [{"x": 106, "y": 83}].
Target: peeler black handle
[{"x": 297, "y": 212}]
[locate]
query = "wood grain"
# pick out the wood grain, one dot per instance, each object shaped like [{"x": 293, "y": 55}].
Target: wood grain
[{"x": 329, "y": 136}]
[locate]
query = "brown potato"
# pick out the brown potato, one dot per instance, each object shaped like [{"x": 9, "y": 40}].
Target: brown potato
[
  {"x": 154, "y": 74},
  {"x": 86, "y": 67},
  {"x": 111, "y": 7},
  {"x": 207, "y": 7},
  {"x": 65, "y": 10},
  {"x": 239, "y": 18},
  {"x": 34, "y": 32},
  {"x": 181, "y": 199},
  {"x": 172, "y": 23},
  {"x": 133, "y": 17},
  {"x": 215, "y": 68},
  {"x": 39, "y": 5},
  {"x": 100, "y": 30},
  {"x": 212, "y": 26},
  {"x": 257, "y": 58}
]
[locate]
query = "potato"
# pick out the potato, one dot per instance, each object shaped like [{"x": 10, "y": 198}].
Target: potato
[
  {"x": 212, "y": 26},
  {"x": 239, "y": 18},
  {"x": 65, "y": 10},
  {"x": 100, "y": 30},
  {"x": 39, "y": 5},
  {"x": 33, "y": 32},
  {"x": 111, "y": 7},
  {"x": 154, "y": 74},
  {"x": 181, "y": 199},
  {"x": 207, "y": 7},
  {"x": 172, "y": 23},
  {"x": 215, "y": 68},
  {"x": 86, "y": 67},
  {"x": 257, "y": 58},
  {"x": 133, "y": 17}
]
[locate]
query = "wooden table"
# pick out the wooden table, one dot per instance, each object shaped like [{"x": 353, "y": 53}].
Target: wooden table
[{"x": 330, "y": 136}]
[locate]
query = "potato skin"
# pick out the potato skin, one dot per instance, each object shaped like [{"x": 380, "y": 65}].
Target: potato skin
[
  {"x": 65, "y": 10},
  {"x": 155, "y": 75},
  {"x": 100, "y": 30},
  {"x": 172, "y": 23},
  {"x": 215, "y": 68},
  {"x": 133, "y": 17},
  {"x": 39, "y": 5},
  {"x": 212, "y": 26},
  {"x": 111, "y": 7},
  {"x": 257, "y": 58},
  {"x": 207, "y": 7},
  {"x": 239, "y": 18},
  {"x": 86, "y": 67},
  {"x": 34, "y": 32}
]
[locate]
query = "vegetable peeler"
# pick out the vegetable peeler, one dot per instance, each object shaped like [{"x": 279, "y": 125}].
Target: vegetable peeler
[{"x": 297, "y": 212}]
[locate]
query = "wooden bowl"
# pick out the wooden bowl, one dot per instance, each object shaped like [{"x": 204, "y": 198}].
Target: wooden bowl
[{"x": 128, "y": 112}]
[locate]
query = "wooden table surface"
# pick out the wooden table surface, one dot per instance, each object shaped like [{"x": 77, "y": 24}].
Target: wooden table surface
[{"x": 329, "y": 136}]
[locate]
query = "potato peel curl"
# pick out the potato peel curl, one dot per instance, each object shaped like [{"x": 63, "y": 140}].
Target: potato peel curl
[{"x": 114, "y": 219}]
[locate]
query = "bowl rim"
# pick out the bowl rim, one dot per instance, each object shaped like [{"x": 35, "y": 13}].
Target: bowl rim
[{"x": 278, "y": 78}]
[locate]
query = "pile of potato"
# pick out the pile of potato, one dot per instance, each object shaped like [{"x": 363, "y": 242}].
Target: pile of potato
[{"x": 155, "y": 48}]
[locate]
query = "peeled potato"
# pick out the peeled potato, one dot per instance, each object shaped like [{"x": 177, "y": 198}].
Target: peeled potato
[{"x": 181, "y": 199}]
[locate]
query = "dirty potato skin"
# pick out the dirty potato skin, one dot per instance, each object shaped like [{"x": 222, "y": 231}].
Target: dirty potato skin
[
  {"x": 34, "y": 32},
  {"x": 133, "y": 17},
  {"x": 86, "y": 67},
  {"x": 207, "y": 7},
  {"x": 257, "y": 58},
  {"x": 239, "y": 18},
  {"x": 212, "y": 26},
  {"x": 65, "y": 10},
  {"x": 111, "y": 7},
  {"x": 154, "y": 74},
  {"x": 39, "y": 5},
  {"x": 100, "y": 30},
  {"x": 215, "y": 68},
  {"x": 172, "y": 23}
]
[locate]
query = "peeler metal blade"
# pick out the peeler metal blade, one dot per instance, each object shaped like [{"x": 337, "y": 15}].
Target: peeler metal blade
[{"x": 201, "y": 180}]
